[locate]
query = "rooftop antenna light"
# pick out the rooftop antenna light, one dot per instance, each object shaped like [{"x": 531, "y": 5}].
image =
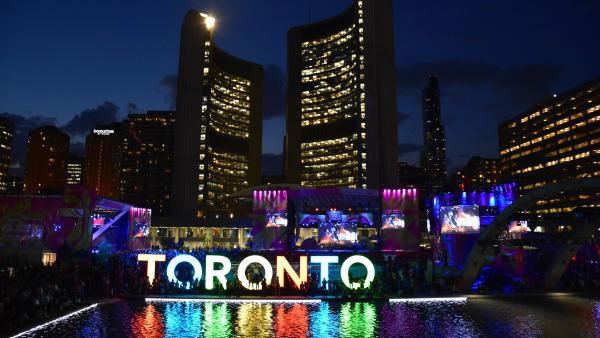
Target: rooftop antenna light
[{"x": 209, "y": 21}]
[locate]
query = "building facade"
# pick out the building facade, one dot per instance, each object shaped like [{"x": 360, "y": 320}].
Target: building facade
[
  {"x": 218, "y": 123},
  {"x": 103, "y": 146},
  {"x": 74, "y": 170},
  {"x": 15, "y": 185},
  {"x": 433, "y": 156},
  {"x": 147, "y": 158},
  {"x": 478, "y": 174},
  {"x": 557, "y": 139},
  {"x": 6, "y": 138},
  {"x": 45, "y": 164},
  {"x": 410, "y": 175},
  {"x": 341, "y": 100}
]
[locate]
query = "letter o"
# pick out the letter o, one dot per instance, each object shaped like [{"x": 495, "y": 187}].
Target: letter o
[
  {"x": 357, "y": 259},
  {"x": 180, "y": 259},
  {"x": 241, "y": 272}
]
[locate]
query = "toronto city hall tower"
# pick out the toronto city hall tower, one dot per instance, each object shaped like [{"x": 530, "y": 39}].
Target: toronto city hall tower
[
  {"x": 218, "y": 128},
  {"x": 341, "y": 100}
]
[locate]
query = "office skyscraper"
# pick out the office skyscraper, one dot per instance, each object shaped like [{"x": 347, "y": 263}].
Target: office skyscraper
[
  {"x": 433, "y": 156},
  {"x": 103, "y": 160},
  {"x": 6, "y": 138},
  {"x": 47, "y": 153},
  {"x": 555, "y": 140},
  {"x": 74, "y": 170},
  {"x": 478, "y": 174},
  {"x": 409, "y": 175},
  {"x": 14, "y": 185},
  {"x": 341, "y": 117},
  {"x": 218, "y": 123},
  {"x": 147, "y": 159}
]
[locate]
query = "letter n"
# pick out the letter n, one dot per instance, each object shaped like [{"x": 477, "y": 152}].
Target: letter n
[{"x": 283, "y": 266}]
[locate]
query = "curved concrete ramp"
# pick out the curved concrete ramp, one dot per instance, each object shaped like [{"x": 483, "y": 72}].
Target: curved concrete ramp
[{"x": 484, "y": 246}]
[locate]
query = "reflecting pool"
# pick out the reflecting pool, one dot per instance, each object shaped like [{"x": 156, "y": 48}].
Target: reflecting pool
[{"x": 565, "y": 316}]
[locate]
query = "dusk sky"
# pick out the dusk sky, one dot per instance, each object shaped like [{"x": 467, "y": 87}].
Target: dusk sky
[{"x": 79, "y": 63}]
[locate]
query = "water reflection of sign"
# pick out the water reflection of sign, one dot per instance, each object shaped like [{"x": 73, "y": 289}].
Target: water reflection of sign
[{"x": 103, "y": 132}]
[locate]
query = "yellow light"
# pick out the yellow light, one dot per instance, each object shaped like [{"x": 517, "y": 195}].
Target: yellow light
[
  {"x": 48, "y": 258},
  {"x": 209, "y": 21}
]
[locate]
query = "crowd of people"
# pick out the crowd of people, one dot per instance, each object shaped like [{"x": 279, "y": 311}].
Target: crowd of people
[
  {"x": 30, "y": 294},
  {"x": 516, "y": 270},
  {"x": 33, "y": 293},
  {"x": 583, "y": 271}
]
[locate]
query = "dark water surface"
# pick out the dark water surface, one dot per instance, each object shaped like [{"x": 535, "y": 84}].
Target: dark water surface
[{"x": 565, "y": 316}]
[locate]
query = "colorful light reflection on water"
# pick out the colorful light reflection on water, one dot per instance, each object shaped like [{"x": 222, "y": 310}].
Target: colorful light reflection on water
[{"x": 524, "y": 317}]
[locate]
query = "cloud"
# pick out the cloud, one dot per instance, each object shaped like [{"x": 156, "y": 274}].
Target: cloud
[
  {"x": 169, "y": 84},
  {"x": 83, "y": 122},
  {"x": 450, "y": 72},
  {"x": 274, "y": 92},
  {"x": 272, "y": 164},
  {"x": 79, "y": 125},
  {"x": 132, "y": 108},
  {"x": 22, "y": 126},
  {"x": 77, "y": 148},
  {"x": 517, "y": 86},
  {"x": 406, "y": 148}
]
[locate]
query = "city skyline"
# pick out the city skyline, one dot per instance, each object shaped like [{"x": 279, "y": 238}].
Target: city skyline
[
  {"x": 299, "y": 168},
  {"x": 468, "y": 65}
]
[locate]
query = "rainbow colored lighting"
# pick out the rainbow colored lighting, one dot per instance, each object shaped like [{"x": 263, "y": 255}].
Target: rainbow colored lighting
[
  {"x": 429, "y": 300},
  {"x": 230, "y": 300}
]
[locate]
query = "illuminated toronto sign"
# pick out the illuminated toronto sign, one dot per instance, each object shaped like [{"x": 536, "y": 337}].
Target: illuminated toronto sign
[{"x": 282, "y": 268}]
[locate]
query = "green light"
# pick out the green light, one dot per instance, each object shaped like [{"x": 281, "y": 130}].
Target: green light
[
  {"x": 217, "y": 320},
  {"x": 358, "y": 320}
]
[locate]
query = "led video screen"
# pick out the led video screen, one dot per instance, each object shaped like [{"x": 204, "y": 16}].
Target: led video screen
[
  {"x": 277, "y": 219},
  {"x": 366, "y": 218},
  {"x": 460, "y": 219},
  {"x": 142, "y": 230},
  {"x": 98, "y": 221},
  {"x": 518, "y": 226},
  {"x": 363, "y": 218},
  {"x": 337, "y": 233},
  {"x": 392, "y": 221},
  {"x": 335, "y": 215},
  {"x": 308, "y": 219}
]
